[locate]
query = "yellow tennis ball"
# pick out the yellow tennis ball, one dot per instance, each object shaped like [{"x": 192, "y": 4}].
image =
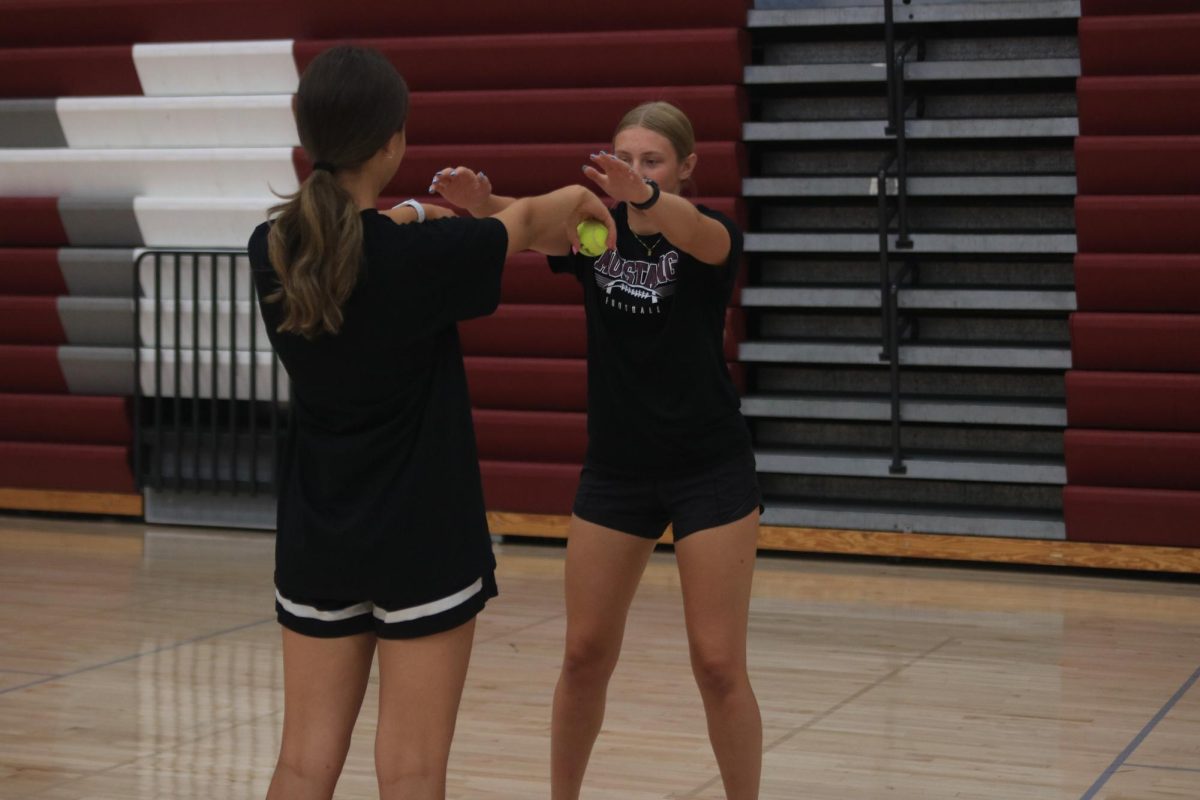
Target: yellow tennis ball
[{"x": 593, "y": 237}]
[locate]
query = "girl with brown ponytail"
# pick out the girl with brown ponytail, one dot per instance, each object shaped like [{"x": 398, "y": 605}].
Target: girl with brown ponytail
[{"x": 382, "y": 543}]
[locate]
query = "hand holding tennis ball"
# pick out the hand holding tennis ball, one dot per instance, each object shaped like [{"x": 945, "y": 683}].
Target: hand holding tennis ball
[{"x": 593, "y": 237}]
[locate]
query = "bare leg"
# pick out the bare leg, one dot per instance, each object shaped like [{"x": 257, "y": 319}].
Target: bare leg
[
  {"x": 323, "y": 685},
  {"x": 602, "y": 574},
  {"x": 716, "y": 568},
  {"x": 420, "y": 686}
]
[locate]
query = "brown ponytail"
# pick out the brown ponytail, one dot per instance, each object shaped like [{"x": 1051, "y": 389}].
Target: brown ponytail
[{"x": 349, "y": 103}]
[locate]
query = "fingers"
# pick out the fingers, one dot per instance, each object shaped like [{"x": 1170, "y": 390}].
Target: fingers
[
  {"x": 594, "y": 208},
  {"x": 596, "y": 175},
  {"x": 573, "y": 238},
  {"x": 441, "y": 179},
  {"x": 449, "y": 177},
  {"x": 610, "y": 242},
  {"x": 618, "y": 179}
]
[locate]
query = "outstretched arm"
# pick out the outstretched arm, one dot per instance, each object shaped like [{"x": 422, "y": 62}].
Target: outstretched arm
[
  {"x": 469, "y": 190},
  {"x": 472, "y": 191},
  {"x": 678, "y": 219},
  {"x": 404, "y": 214},
  {"x": 545, "y": 222}
]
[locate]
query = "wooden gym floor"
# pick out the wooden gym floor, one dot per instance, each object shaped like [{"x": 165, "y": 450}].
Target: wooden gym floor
[{"x": 142, "y": 663}]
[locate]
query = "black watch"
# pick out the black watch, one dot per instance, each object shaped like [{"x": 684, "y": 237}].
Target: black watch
[{"x": 653, "y": 196}]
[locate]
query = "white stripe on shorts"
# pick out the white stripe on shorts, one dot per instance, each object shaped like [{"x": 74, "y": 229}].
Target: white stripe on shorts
[
  {"x": 399, "y": 615},
  {"x": 308, "y": 612},
  {"x": 429, "y": 609}
]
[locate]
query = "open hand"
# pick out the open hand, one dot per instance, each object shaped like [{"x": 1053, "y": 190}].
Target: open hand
[
  {"x": 618, "y": 180},
  {"x": 461, "y": 187}
]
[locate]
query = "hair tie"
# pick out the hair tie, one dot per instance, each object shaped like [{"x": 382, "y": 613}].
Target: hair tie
[{"x": 323, "y": 165}]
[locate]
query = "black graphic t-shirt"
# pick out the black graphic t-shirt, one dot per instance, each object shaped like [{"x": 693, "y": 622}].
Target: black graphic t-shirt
[
  {"x": 660, "y": 397},
  {"x": 380, "y": 493}
]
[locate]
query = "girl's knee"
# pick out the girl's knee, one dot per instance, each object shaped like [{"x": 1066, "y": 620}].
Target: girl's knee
[
  {"x": 719, "y": 672},
  {"x": 589, "y": 658}
]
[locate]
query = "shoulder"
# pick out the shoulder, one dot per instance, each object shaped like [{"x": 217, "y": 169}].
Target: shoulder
[
  {"x": 735, "y": 233},
  {"x": 445, "y": 232},
  {"x": 257, "y": 245},
  {"x": 717, "y": 215},
  {"x": 439, "y": 249}
]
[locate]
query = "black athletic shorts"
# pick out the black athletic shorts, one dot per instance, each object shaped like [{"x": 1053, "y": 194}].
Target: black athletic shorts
[
  {"x": 330, "y": 619},
  {"x": 643, "y": 506}
]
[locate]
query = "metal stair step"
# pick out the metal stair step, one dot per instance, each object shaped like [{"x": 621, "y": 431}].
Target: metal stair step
[
  {"x": 918, "y": 186},
  {"x": 912, "y": 298},
  {"x": 916, "y": 355},
  {"x": 872, "y": 14},
  {"x": 922, "y": 243},
  {"x": 904, "y": 519},
  {"x": 990, "y": 69},
  {"x": 873, "y": 129},
  {"x": 922, "y": 467},
  {"x": 877, "y": 408}
]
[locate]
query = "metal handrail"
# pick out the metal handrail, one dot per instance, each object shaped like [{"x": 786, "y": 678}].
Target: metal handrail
[
  {"x": 889, "y": 285},
  {"x": 903, "y": 241},
  {"x": 223, "y": 417},
  {"x": 885, "y": 278}
]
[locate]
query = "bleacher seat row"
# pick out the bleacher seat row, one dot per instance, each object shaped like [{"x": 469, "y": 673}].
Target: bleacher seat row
[
  {"x": 135, "y": 136},
  {"x": 1132, "y": 449},
  {"x": 149, "y": 126}
]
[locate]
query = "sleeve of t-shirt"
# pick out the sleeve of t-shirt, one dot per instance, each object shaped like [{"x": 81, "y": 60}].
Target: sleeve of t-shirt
[
  {"x": 727, "y": 279},
  {"x": 453, "y": 266},
  {"x": 266, "y": 282},
  {"x": 735, "y": 237}
]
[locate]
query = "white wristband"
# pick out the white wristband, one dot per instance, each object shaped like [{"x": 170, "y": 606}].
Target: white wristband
[{"x": 415, "y": 206}]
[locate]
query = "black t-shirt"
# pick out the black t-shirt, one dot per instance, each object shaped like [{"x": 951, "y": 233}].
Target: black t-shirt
[
  {"x": 381, "y": 496},
  {"x": 660, "y": 397}
]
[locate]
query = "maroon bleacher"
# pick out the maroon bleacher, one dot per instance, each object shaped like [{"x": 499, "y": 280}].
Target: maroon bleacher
[
  {"x": 1139, "y": 516},
  {"x": 1133, "y": 401},
  {"x": 30, "y": 320},
  {"x": 1141, "y": 224},
  {"x": 1151, "y": 342},
  {"x": 540, "y": 436},
  {"x": 535, "y": 384},
  {"x": 1146, "y": 282},
  {"x": 56, "y": 418},
  {"x": 522, "y": 169},
  {"x": 31, "y": 222},
  {"x": 1121, "y": 165},
  {"x": 68, "y": 71},
  {"x": 1161, "y": 44},
  {"x": 562, "y": 85},
  {"x": 1133, "y": 398},
  {"x": 30, "y": 271},
  {"x": 590, "y": 58},
  {"x": 28, "y": 368},
  {"x": 1143, "y": 104},
  {"x": 39, "y": 24},
  {"x": 1133, "y": 459}
]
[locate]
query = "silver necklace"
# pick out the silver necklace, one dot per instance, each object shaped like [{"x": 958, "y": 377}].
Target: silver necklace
[{"x": 649, "y": 247}]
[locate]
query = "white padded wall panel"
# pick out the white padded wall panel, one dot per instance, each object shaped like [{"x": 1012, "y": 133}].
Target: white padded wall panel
[
  {"x": 165, "y": 374},
  {"x": 225, "y": 172},
  {"x": 202, "y": 284},
  {"x": 149, "y": 328},
  {"x": 155, "y": 122},
  {"x": 216, "y": 68},
  {"x": 202, "y": 222}
]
